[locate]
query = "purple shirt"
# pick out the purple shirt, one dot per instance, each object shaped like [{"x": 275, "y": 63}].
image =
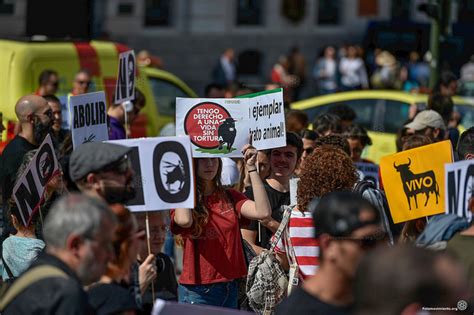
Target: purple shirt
[{"x": 116, "y": 129}]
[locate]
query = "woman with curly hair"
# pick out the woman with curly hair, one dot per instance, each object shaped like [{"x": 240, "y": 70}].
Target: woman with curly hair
[
  {"x": 213, "y": 257},
  {"x": 326, "y": 170}
]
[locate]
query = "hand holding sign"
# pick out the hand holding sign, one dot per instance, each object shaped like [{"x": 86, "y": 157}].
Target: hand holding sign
[{"x": 250, "y": 156}]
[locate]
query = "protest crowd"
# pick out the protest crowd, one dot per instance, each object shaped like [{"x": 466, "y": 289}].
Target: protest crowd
[{"x": 281, "y": 225}]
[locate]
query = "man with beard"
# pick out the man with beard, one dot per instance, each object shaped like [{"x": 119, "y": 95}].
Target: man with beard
[
  {"x": 35, "y": 118},
  {"x": 78, "y": 232},
  {"x": 103, "y": 170}
]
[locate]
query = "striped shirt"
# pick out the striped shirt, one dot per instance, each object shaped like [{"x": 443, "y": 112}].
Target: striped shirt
[{"x": 305, "y": 245}]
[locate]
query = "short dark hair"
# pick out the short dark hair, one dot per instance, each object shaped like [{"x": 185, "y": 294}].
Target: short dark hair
[
  {"x": 337, "y": 141},
  {"x": 294, "y": 116},
  {"x": 445, "y": 79},
  {"x": 310, "y": 135},
  {"x": 466, "y": 143},
  {"x": 443, "y": 105},
  {"x": 52, "y": 98},
  {"x": 45, "y": 75},
  {"x": 414, "y": 278},
  {"x": 211, "y": 86},
  {"x": 337, "y": 213},
  {"x": 294, "y": 140},
  {"x": 358, "y": 132},
  {"x": 326, "y": 122},
  {"x": 343, "y": 111}
]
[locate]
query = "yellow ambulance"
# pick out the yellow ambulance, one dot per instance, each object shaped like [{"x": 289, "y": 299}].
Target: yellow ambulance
[{"x": 21, "y": 63}]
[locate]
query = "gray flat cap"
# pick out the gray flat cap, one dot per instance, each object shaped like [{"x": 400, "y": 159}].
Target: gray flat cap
[{"x": 91, "y": 157}]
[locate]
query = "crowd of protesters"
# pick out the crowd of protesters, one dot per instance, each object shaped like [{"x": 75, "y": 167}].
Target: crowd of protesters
[{"x": 84, "y": 251}]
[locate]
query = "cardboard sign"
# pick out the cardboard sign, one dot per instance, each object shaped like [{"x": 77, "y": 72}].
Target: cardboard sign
[
  {"x": 125, "y": 86},
  {"x": 88, "y": 114},
  {"x": 459, "y": 183},
  {"x": 369, "y": 171},
  {"x": 163, "y": 168},
  {"x": 162, "y": 307},
  {"x": 217, "y": 127},
  {"x": 267, "y": 119},
  {"x": 29, "y": 189},
  {"x": 414, "y": 181},
  {"x": 221, "y": 127}
]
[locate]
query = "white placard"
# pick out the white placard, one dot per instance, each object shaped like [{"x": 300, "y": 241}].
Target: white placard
[
  {"x": 217, "y": 127},
  {"x": 125, "y": 85},
  {"x": 267, "y": 120},
  {"x": 221, "y": 127},
  {"x": 369, "y": 171},
  {"x": 163, "y": 168},
  {"x": 294, "y": 191},
  {"x": 88, "y": 114},
  {"x": 28, "y": 190},
  {"x": 459, "y": 183}
]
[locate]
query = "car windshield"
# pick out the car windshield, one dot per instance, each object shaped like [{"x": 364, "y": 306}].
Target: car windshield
[{"x": 165, "y": 94}]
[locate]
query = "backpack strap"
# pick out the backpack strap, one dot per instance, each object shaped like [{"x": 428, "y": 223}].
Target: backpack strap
[
  {"x": 32, "y": 276},
  {"x": 281, "y": 228}
]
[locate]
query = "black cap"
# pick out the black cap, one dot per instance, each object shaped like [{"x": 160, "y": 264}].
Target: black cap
[
  {"x": 92, "y": 157},
  {"x": 337, "y": 213}
]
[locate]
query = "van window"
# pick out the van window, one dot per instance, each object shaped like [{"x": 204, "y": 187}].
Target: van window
[
  {"x": 165, "y": 94},
  {"x": 467, "y": 114},
  {"x": 395, "y": 115}
]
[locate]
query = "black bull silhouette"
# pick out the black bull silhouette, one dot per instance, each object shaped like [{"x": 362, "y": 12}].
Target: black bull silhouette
[{"x": 414, "y": 184}]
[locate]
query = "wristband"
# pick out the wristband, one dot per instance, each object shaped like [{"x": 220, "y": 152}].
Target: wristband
[{"x": 254, "y": 170}]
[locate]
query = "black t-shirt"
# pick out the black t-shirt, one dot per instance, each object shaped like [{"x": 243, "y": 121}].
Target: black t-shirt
[
  {"x": 277, "y": 200},
  {"x": 10, "y": 161},
  {"x": 111, "y": 298},
  {"x": 166, "y": 286},
  {"x": 301, "y": 302}
]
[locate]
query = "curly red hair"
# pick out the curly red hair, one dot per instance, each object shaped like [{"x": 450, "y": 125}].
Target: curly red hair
[{"x": 327, "y": 169}]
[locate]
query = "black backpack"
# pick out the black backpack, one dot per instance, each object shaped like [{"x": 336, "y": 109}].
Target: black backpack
[{"x": 377, "y": 198}]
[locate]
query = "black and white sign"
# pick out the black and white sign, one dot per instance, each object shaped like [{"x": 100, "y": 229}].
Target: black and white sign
[
  {"x": 125, "y": 86},
  {"x": 163, "y": 170},
  {"x": 369, "y": 171},
  {"x": 88, "y": 114},
  {"x": 459, "y": 183},
  {"x": 29, "y": 189}
]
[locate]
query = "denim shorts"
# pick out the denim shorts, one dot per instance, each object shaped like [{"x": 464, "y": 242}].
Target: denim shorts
[{"x": 224, "y": 294}]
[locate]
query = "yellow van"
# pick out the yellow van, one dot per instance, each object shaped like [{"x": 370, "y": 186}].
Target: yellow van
[{"x": 21, "y": 63}]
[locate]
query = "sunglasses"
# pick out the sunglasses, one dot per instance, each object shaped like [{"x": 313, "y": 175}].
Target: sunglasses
[
  {"x": 308, "y": 150},
  {"x": 366, "y": 242},
  {"x": 84, "y": 82}
]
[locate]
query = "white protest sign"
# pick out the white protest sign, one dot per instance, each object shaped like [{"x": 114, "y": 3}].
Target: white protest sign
[
  {"x": 125, "y": 85},
  {"x": 88, "y": 114},
  {"x": 369, "y": 171},
  {"x": 217, "y": 127},
  {"x": 163, "y": 168},
  {"x": 29, "y": 189},
  {"x": 459, "y": 183},
  {"x": 221, "y": 127},
  {"x": 267, "y": 119}
]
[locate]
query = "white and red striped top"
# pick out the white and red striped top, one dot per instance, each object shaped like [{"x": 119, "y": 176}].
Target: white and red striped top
[{"x": 305, "y": 245}]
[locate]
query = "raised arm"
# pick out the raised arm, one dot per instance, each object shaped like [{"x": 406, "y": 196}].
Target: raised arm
[{"x": 260, "y": 208}]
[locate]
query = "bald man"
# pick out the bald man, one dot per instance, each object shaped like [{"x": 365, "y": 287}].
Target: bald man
[{"x": 34, "y": 116}]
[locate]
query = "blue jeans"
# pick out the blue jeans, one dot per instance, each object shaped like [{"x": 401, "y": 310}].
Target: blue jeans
[{"x": 224, "y": 294}]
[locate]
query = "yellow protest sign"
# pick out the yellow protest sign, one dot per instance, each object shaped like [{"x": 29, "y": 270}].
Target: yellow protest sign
[{"x": 414, "y": 181}]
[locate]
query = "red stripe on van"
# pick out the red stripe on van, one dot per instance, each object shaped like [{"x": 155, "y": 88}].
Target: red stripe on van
[{"x": 88, "y": 58}]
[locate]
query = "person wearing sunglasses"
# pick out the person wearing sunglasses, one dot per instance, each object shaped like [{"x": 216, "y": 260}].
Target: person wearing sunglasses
[
  {"x": 57, "y": 133},
  {"x": 48, "y": 83},
  {"x": 103, "y": 170},
  {"x": 81, "y": 83},
  {"x": 309, "y": 144},
  {"x": 347, "y": 227}
]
